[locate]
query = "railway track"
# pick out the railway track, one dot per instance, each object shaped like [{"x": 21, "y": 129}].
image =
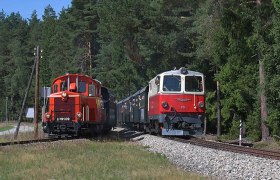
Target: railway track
[
  {"x": 34, "y": 141},
  {"x": 129, "y": 134},
  {"x": 195, "y": 141},
  {"x": 232, "y": 148},
  {"x": 111, "y": 136}
]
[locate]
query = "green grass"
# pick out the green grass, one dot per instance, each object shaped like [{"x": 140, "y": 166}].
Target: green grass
[
  {"x": 270, "y": 144},
  {"x": 86, "y": 160},
  {"x": 5, "y": 128}
]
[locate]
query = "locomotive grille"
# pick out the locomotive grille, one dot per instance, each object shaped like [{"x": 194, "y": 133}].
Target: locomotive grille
[{"x": 64, "y": 110}]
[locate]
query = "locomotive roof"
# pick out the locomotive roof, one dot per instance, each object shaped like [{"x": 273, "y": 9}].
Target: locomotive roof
[
  {"x": 178, "y": 71},
  {"x": 75, "y": 75}
]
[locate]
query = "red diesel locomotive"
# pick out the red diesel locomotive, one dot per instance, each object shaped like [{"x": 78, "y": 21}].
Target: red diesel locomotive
[
  {"x": 78, "y": 104},
  {"x": 172, "y": 104}
]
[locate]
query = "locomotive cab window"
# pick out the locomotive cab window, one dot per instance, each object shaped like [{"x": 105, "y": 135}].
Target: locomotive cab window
[
  {"x": 55, "y": 88},
  {"x": 157, "y": 82},
  {"x": 63, "y": 86},
  {"x": 172, "y": 83},
  {"x": 91, "y": 90},
  {"x": 193, "y": 84},
  {"x": 82, "y": 87}
]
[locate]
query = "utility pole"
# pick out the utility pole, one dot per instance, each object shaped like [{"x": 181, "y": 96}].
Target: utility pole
[
  {"x": 89, "y": 56},
  {"x": 36, "y": 103},
  {"x": 6, "y": 110},
  {"x": 24, "y": 100},
  {"x": 218, "y": 95},
  {"x": 218, "y": 109}
]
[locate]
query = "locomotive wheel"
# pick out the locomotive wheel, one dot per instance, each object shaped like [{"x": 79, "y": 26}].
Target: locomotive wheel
[
  {"x": 147, "y": 129},
  {"x": 106, "y": 130},
  {"x": 157, "y": 129},
  {"x": 150, "y": 129},
  {"x": 95, "y": 130}
]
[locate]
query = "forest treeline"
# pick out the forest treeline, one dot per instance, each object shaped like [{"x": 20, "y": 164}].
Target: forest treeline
[{"x": 235, "y": 43}]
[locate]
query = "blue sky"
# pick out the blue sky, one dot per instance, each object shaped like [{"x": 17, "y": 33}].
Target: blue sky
[{"x": 26, "y": 7}]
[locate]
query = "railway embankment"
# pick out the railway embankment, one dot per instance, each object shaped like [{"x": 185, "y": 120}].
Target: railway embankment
[{"x": 212, "y": 162}]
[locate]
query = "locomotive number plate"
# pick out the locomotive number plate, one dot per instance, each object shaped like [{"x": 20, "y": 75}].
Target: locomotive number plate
[
  {"x": 63, "y": 119},
  {"x": 183, "y": 107}
]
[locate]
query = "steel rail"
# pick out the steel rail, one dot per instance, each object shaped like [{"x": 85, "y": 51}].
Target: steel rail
[
  {"x": 34, "y": 141},
  {"x": 269, "y": 154},
  {"x": 109, "y": 136}
]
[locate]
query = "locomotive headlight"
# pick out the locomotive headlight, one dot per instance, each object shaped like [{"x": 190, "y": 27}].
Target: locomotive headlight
[
  {"x": 79, "y": 115},
  {"x": 48, "y": 115},
  {"x": 201, "y": 104},
  {"x": 164, "y": 104},
  {"x": 64, "y": 94},
  {"x": 184, "y": 70}
]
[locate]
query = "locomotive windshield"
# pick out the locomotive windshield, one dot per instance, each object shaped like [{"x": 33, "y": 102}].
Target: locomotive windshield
[
  {"x": 82, "y": 87},
  {"x": 172, "y": 83},
  {"x": 63, "y": 86},
  {"x": 193, "y": 84}
]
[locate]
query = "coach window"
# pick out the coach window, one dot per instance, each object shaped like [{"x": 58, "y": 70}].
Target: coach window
[
  {"x": 91, "y": 90},
  {"x": 55, "y": 88},
  {"x": 172, "y": 83},
  {"x": 82, "y": 87}
]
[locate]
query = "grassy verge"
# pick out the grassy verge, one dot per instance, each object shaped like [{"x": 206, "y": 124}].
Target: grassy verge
[
  {"x": 270, "y": 144},
  {"x": 21, "y": 135},
  {"x": 5, "y": 128},
  {"x": 86, "y": 160}
]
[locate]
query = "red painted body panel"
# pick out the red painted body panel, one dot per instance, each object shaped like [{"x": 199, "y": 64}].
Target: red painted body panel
[
  {"x": 94, "y": 106},
  {"x": 183, "y": 103},
  {"x": 74, "y": 102}
]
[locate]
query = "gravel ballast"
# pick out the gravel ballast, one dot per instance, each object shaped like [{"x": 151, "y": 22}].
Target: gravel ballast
[{"x": 211, "y": 162}]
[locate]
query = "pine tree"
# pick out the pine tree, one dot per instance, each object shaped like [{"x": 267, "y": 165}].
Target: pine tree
[
  {"x": 210, "y": 55},
  {"x": 150, "y": 35},
  {"x": 63, "y": 50},
  {"x": 4, "y": 37},
  {"x": 272, "y": 69},
  {"x": 83, "y": 21},
  {"x": 48, "y": 32},
  {"x": 16, "y": 61}
]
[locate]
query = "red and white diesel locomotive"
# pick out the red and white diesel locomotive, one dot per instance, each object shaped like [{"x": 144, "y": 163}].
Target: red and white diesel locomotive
[
  {"x": 78, "y": 104},
  {"x": 173, "y": 104}
]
